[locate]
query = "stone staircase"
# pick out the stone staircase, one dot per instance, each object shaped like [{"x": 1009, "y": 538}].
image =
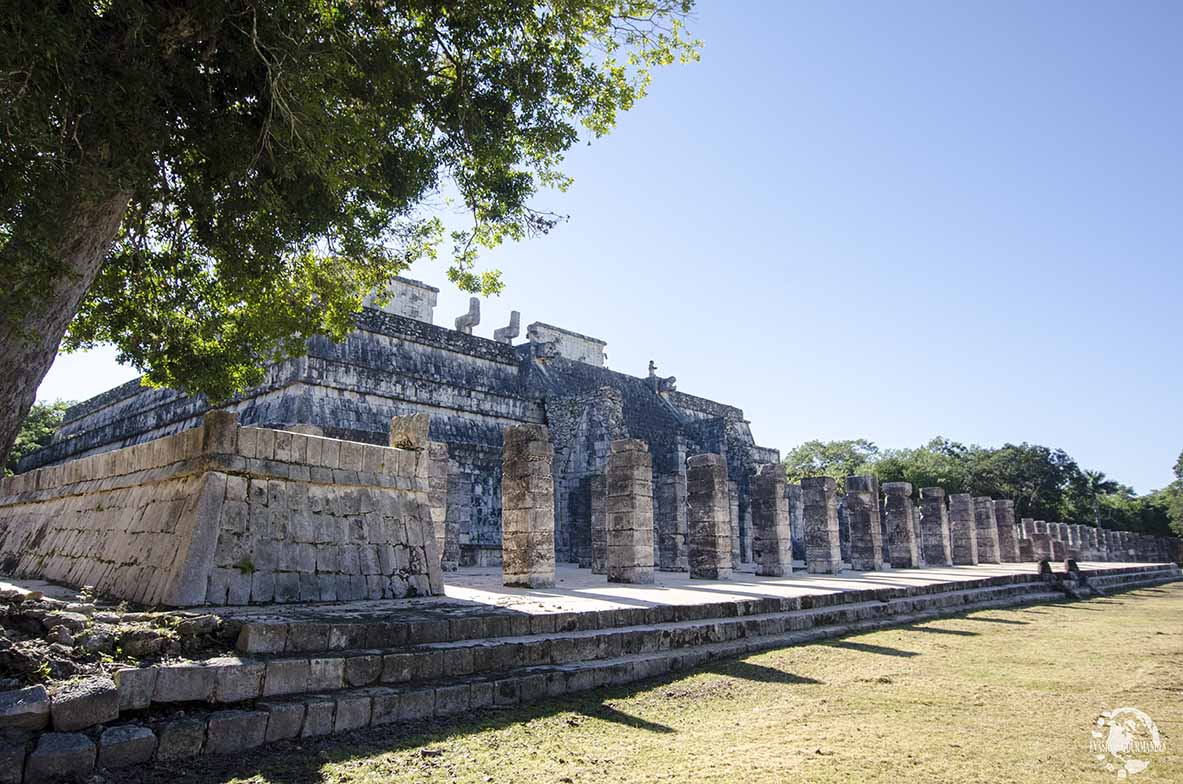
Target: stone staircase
[{"x": 303, "y": 677}]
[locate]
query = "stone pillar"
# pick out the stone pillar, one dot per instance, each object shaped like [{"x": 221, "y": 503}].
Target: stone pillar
[
  {"x": 935, "y": 545},
  {"x": 709, "y": 517},
  {"x": 1059, "y": 546},
  {"x": 862, "y": 509},
  {"x": 733, "y": 516},
  {"x": 898, "y": 513},
  {"x": 447, "y": 536},
  {"x": 796, "y": 521},
  {"x": 823, "y": 552},
  {"x": 771, "y": 541},
  {"x": 987, "y": 530},
  {"x": 630, "y": 512},
  {"x": 669, "y": 500},
  {"x": 527, "y": 508},
  {"x": 916, "y": 536},
  {"x": 1041, "y": 542},
  {"x": 1095, "y": 552},
  {"x": 1026, "y": 542},
  {"x": 597, "y": 488},
  {"x": 963, "y": 530},
  {"x": 1008, "y": 538}
]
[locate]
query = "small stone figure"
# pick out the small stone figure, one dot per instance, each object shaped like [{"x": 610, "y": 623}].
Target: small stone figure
[{"x": 466, "y": 322}]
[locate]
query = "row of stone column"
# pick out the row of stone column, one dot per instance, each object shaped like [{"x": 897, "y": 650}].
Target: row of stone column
[{"x": 885, "y": 528}]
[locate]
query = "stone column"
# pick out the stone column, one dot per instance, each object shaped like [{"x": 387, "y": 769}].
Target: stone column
[
  {"x": 935, "y": 545},
  {"x": 630, "y": 512},
  {"x": 862, "y": 508},
  {"x": 1059, "y": 546},
  {"x": 1026, "y": 543},
  {"x": 796, "y": 521},
  {"x": 1008, "y": 540},
  {"x": 916, "y": 536},
  {"x": 1095, "y": 553},
  {"x": 733, "y": 516},
  {"x": 527, "y": 508},
  {"x": 987, "y": 530},
  {"x": 597, "y": 488},
  {"x": 963, "y": 530},
  {"x": 709, "y": 517},
  {"x": 900, "y": 517},
  {"x": 1041, "y": 541},
  {"x": 771, "y": 543},
  {"x": 823, "y": 552},
  {"x": 447, "y": 537},
  {"x": 669, "y": 500}
]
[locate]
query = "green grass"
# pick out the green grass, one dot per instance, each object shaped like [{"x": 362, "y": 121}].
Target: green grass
[{"x": 992, "y": 696}]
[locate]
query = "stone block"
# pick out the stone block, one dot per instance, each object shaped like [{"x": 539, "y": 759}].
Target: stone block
[
  {"x": 235, "y": 730},
  {"x": 900, "y": 518},
  {"x": 127, "y": 745},
  {"x": 963, "y": 536},
  {"x": 771, "y": 538},
  {"x": 363, "y": 670},
  {"x": 24, "y": 709},
  {"x": 384, "y": 705},
  {"x": 326, "y": 674},
  {"x": 708, "y": 517},
  {"x": 236, "y": 679},
  {"x": 60, "y": 755},
  {"x": 863, "y": 515},
  {"x": 986, "y": 524},
  {"x": 528, "y": 525},
  {"x": 285, "y": 676},
  {"x": 136, "y": 686},
  {"x": 187, "y": 682},
  {"x": 180, "y": 739},
  {"x": 353, "y": 712},
  {"x": 318, "y": 716},
  {"x": 284, "y": 719},
  {"x": 820, "y": 519},
  {"x": 262, "y": 637},
  {"x": 417, "y": 705},
  {"x": 12, "y": 756},
  {"x": 85, "y": 703},
  {"x": 935, "y": 544}
]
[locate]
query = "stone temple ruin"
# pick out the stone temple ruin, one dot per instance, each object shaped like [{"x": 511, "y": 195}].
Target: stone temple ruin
[{"x": 639, "y": 531}]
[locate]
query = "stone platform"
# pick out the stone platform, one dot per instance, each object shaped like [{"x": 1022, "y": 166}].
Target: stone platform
[{"x": 311, "y": 670}]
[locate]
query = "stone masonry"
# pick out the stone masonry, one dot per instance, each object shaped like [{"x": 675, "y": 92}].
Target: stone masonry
[
  {"x": 823, "y": 554},
  {"x": 866, "y": 538},
  {"x": 1008, "y": 537},
  {"x": 963, "y": 534},
  {"x": 669, "y": 501},
  {"x": 223, "y": 514},
  {"x": 528, "y": 508},
  {"x": 899, "y": 516},
  {"x": 772, "y": 547},
  {"x": 597, "y": 487},
  {"x": 987, "y": 530},
  {"x": 630, "y": 512},
  {"x": 709, "y": 517},
  {"x": 935, "y": 545}
]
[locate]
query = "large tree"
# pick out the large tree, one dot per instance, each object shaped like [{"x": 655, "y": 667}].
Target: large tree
[{"x": 206, "y": 183}]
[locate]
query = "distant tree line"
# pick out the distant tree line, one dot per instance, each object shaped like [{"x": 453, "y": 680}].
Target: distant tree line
[{"x": 1045, "y": 484}]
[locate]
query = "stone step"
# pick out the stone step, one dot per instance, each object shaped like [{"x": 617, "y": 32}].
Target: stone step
[
  {"x": 231, "y": 680},
  {"x": 330, "y": 630},
  {"x": 169, "y": 738}
]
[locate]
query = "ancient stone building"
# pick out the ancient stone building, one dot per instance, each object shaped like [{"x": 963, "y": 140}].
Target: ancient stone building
[{"x": 398, "y": 362}]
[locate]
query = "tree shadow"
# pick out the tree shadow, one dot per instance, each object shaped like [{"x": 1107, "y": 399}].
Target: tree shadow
[
  {"x": 748, "y": 671},
  {"x": 866, "y": 647},
  {"x": 608, "y": 713}
]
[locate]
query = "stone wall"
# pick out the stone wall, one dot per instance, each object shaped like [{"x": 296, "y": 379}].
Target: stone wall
[{"x": 223, "y": 514}]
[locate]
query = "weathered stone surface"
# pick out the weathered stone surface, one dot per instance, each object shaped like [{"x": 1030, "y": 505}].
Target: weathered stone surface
[
  {"x": 598, "y": 509},
  {"x": 1008, "y": 535},
  {"x": 823, "y": 554},
  {"x": 284, "y": 719},
  {"x": 899, "y": 516},
  {"x": 866, "y": 537},
  {"x": 84, "y": 703},
  {"x": 935, "y": 545},
  {"x": 409, "y": 432},
  {"x": 24, "y": 709},
  {"x": 986, "y": 532},
  {"x": 963, "y": 529},
  {"x": 352, "y": 712},
  {"x": 771, "y": 537},
  {"x": 236, "y": 679},
  {"x": 127, "y": 745},
  {"x": 136, "y": 686},
  {"x": 60, "y": 755},
  {"x": 180, "y": 739},
  {"x": 527, "y": 508},
  {"x": 318, "y": 716},
  {"x": 235, "y": 730},
  {"x": 669, "y": 510},
  {"x": 630, "y": 512},
  {"x": 12, "y": 756},
  {"x": 708, "y": 517},
  {"x": 185, "y": 682}
]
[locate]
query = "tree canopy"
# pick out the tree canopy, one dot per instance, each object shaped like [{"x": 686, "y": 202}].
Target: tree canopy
[
  {"x": 36, "y": 431},
  {"x": 206, "y": 184},
  {"x": 1044, "y": 483}
]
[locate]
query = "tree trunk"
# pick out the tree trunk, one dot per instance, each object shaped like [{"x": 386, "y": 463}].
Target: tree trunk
[{"x": 28, "y": 343}]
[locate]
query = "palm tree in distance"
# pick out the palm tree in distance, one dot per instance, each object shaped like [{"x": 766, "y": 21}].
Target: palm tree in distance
[{"x": 1097, "y": 485}]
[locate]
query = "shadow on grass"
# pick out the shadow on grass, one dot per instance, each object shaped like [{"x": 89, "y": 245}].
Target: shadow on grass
[
  {"x": 608, "y": 713},
  {"x": 866, "y": 647},
  {"x": 939, "y": 630},
  {"x": 746, "y": 670},
  {"x": 998, "y": 620}
]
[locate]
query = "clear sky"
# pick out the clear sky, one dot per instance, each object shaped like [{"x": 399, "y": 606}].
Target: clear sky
[{"x": 884, "y": 220}]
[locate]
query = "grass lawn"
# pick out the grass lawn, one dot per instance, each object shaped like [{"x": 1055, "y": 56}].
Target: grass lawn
[{"x": 992, "y": 696}]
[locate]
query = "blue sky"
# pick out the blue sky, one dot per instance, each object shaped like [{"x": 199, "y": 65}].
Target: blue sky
[{"x": 883, "y": 220}]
